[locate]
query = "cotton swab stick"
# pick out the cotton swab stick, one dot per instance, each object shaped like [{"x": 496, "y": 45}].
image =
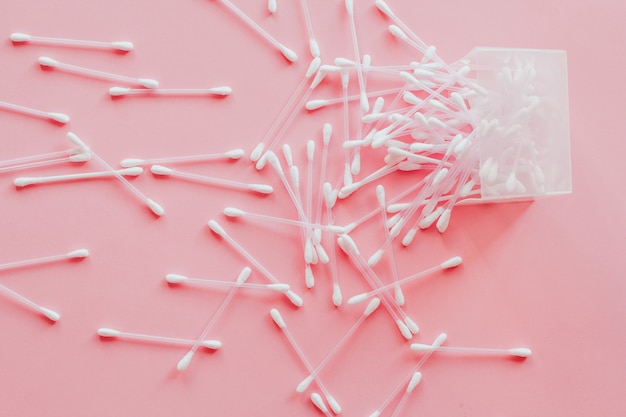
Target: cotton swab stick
[
  {"x": 40, "y": 157},
  {"x": 118, "y": 45},
  {"x": 415, "y": 380},
  {"x": 47, "y": 62},
  {"x": 287, "y": 53},
  {"x": 280, "y": 322},
  {"x": 219, "y": 230},
  {"x": 169, "y": 172},
  {"x": 313, "y": 45},
  {"x": 25, "y": 181},
  {"x": 235, "y": 212},
  {"x": 151, "y": 204},
  {"x": 75, "y": 254},
  {"x": 215, "y": 91},
  {"x": 439, "y": 340},
  {"x": 447, "y": 264},
  {"x": 52, "y": 315},
  {"x": 363, "y": 100},
  {"x": 399, "y": 295},
  {"x": 179, "y": 279},
  {"x": 184, "y": 362},
  {"x": 57, "y": 117},
  {"x": 371, "y": 307},
  {"x": 110, "y": 333},
  {"x": 78, "y": 158},
  {"x": 319, "y": 103},
  {"x": 233, "y": 155},
  {"x": 517, "y": 352}
]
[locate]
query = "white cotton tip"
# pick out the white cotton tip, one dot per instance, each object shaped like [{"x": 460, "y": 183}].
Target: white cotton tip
[
  {"x": 216, "y": 228},
  {"x": 271, "y": 6},
  {"x": 428, "y": 221},
  {"x": 334, "y": 405},
  {"x": 260, "y": 164},
  {"x": 123, "y": 45},
  {"x": 52, "y": 315},
  {"x": 346, "y": 190},
  {"x": 118, "y": 91},
  {"x": 294, "y": 172},
  {"x": 451, "y": 263},
  {"x": 185, "y": 361},
  {"x": 317, "y": 400},
  {"x": 314, "y": 48},
  {"x": 350, "y": 7},
  {"x": 79, "y": 253},
  {"x": 415, "y": 380},
  {"x": 131, "y": 171},
  {"x": 148, "y": 83},
  {"x": 234, "y": 153},
  {"x": 355, "y": 166},
  {"x": 106, "y": 332},
  {"x": 459, "y": 101},
  {"x": 413, "y": 327},
  {"x": 322, "y": 254},
  {"x": 175, "y": 278},
  {"x": 350, "y": 244},
  {"x": 371, "y": 307},
  {"x": 344, "y": 62},
  {"x": 375, "y": 258},
  {"x": 310, "y": 150},
  {"x": 19, "y": 37},
  {"x": 309, "y": 278},
  {"x": 520, "y": 352},
  {"x": 221, "y": 91},
  {"x": 308, "y": 252},
  {"x": 131, "y": 162},
  {"x": 25, "y": 181},
  {"x": 244, "y": 275},
  {"x": 315, "y": 104},
  {"x": 411, "y": 98},
  {"x": 373, "y": 117},
  {"x": 155, "y": 207},
  {"x": 398, "y": 33},
  {"x": 295, "y": 299},
  {"x": 161, "y": 170},
  {"x": 288, "y": 53},
  {"x": 435, "y": 122},
  {"x": 327, "y": 132},
  {"x": 261, "y": 188},
  {"x": 357, "y": 298},
  {"x": 211, "y": 344},
  {"x": 338, "y": 230},
  {"x": 274, "y": 162},
  {"x": 443, "y": 172},
  {"x": 47, "y": 61},
  {"x": 256, "y": 152},
  {"x": 409, "y": 237},
  {"x": 404, "y": 330},
  {"x": 329, "y": 198},
  {"x": 337, "y": 296},
  {"x": 420, "y": 147},
  {"x": 365, "y": 104},
  {"x": 302, "y": 386},
  {"x": 375, "y": 414},
  {"x": 278, "y": 319},
  {"x": 511, "y": 182},
  {"x": 444, "y": 220},
  {"x": 278, "y": 287},
  {"x": 287, "y": 154},
  {"x": 421, "y": 347},
  {"x": 58, "y": 117},
  {"x": 380, "y": 195},
  {"x": 73, "y": 137},
  {"x": 429, "y": 54},
  {"x": 80, "y": 157},
  {"x": 399, "y": 295},
  {"x": 383, "y": 7},
  {"x": 440, "y": 340}
]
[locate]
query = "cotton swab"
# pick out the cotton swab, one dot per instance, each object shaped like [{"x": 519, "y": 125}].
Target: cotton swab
[
  {"x": 271, "y": 6},
  {"x": 235, "y": 212},
  {"x": 77, "y": 158},
  {"x": 52, "y": 315},
  {"x": 439, "y": 340},
  {"x": 124, "y": 46},
  {"x": 184, "y": 362},
  {"x": 47, "y": 62},
  {"x": 25, "y": 181},
  {"x": 151, "y": 204},
  {"x": 219, "y": 230},
  {"x": 371, "y": 307},
  {"x": 169, "y": 172},
  {"x": 313, "y": 45},
  {"x": 233, "y": 155},
  {"x": 287, "y": 53},
  {"x": 318, "y": 402},
  {"x": 215, "y": 91},
  {"x": 413, "y": 382},
  {"x": 280, "y": 322},
  {"x": 112, "y": 333},
  {"x": 179, "y": 279},
  {"x": 57, "y": 117},
  {"x": 448, "y": 264},
  {"x": 517, "y": 352},
  {"x": 75, "y": 254},
  {"x": 40, "y": 157},
  {"x": 363, "y": 99}
]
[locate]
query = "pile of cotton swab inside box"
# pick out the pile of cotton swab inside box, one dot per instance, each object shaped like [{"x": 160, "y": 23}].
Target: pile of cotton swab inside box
[{"x": 460, "y": 138}]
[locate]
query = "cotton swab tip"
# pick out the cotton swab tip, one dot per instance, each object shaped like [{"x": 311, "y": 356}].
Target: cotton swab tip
[
  {"x": 279, "y": 287},
  {"x": 244, "y": 275},
  {"x": 337, "y": 296},
  {"x": 310, "y": 150},
  {"x": 451, "y": 263},
  {"x": 123, "y": 46},
  {"x": 106, "y": 332},
  {"x": 302, "y": 386},
  {"x": 58, "y": 117},
  {"x": 315, "y": 104},
  {"x": 314, "y": 48},
  {"x": 375, "y": 258},
  {"x": 52, "y": 315},
  {"x": 256, "y": 152},
  {"x": 118, "y": 91},
  {"x": 73, "y": 137},
  {"x": 415, "y": 380},
  {"x": 19, "y": 37},
  {"x": 79, "y": 253},
  {"x": 278, "y": 319},
  {"x": 131, "y": 162},
  {"x": 234, "y": 212},
  {"x": 295, "y": 299},
  {"x": 80, "y": 157},
  {"x": 357, "y": 299},
  {"x": 234, "y": 153},
  {"x": 175, "y": 278},
  {"x": 261, "y": 188},
  {"x": 155, "y": 207},
  {"x": 520, "y": 352},
  {"x": 185, "y": 361},
  {"x": 288, "y": 53},
  {"x": 383, "y": 7},
  {"x": 371, "y": 307},
  {"x": 148, "y": 83},
  {"x": 350, "y": 7},
  {"x": 221, "y": 91},
  {"x": 334, "y": 405},
  {"x": 216, "y": 228},
  {"x": 421, "y": 347},
  {"x": 47, "y": 61},
  {"x": 317, "y": 400},
  {"x": 211, "y": 344},
  {"x": 161, "y": 170}
]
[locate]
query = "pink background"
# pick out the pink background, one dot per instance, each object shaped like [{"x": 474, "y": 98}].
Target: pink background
[{"x": 547, "y": 275}]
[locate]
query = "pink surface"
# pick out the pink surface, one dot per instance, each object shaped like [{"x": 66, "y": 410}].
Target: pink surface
[{"x": 547, "y": 275}]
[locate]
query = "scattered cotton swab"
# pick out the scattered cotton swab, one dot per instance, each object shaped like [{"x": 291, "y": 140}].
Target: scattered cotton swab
[
  {"x": 124, "y": 46},
  {"x": 280, "y": 322},
  {"x": 5, "y": 166},
  {"x": 371, "y": 307},
  {"x": 287, "y": 53},
  {"x": 313, "y": 45},
  {"x": 180, "y": 279},
  {"x": 57, "y": 117},
  {"x": 52, "y": 315},
  {"x": 235, "y": 212},
  {"x": 25, "y": 181},
  {"x": 169, "y": 172},
  {"x": 516, "y": 352},
  {"x": 75, "y": 254},
  {"x": 184, "y": 362},
  {"x": 112, "y": 333},
  {"x": 219, "y": 230},
  {"x": 413, "y": 382},
  {"x": 47, "y": 62},
  {"x": 233, "y": 154},
  {"x": 215, "y": 91}
]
